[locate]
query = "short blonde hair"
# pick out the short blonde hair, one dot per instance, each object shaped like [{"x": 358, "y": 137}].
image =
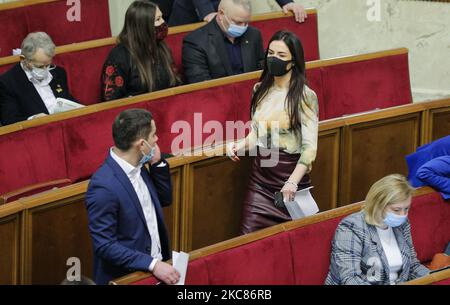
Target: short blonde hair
[{"x": 386, "y": 191}]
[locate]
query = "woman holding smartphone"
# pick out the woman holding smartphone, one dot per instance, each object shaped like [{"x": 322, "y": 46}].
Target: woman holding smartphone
[{"x": 284, "y": 113}]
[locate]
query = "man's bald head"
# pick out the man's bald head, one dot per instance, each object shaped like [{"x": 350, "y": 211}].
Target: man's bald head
[
  {"x": 230, "y": 4},
  {"x": 236, "y": 12}
]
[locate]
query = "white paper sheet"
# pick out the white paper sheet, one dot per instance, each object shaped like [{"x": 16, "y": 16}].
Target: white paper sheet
[
  {"x": 63, "y": 105},
  {"x": 303, "y": 205},
  {"x": 180, "y": 262}
]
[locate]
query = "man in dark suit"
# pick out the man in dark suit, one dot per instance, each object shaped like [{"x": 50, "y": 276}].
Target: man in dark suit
[
  {"x": 165, "y": 6},
  {"x": 30, "y": 88},
  {"x": 225, "y": 46},
  {"x": 124, "y": 202},
  {"x": 191, "y": 11}
]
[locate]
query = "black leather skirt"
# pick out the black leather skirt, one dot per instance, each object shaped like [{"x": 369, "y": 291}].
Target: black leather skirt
[{"x": 259, "y": 211}]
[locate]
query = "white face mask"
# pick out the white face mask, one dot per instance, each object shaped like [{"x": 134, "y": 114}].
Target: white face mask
[{"x": 40, "y": 74}]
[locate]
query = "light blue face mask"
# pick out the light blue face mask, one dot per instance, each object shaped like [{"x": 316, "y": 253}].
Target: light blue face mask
[
  {"x": 234, "y": 30},
  {"x": 147, "y": 158},
  {"x": 394, "y": 220}
]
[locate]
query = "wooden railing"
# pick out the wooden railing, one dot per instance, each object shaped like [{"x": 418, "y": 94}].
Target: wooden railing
[{"x": 22, "y": 3}]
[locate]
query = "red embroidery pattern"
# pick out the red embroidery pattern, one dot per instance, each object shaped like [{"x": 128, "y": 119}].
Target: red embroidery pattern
[
  {"x": 119, "y": 81},
  {"x": 112, "y": 81},
  {"x": 110, "y": 70}
]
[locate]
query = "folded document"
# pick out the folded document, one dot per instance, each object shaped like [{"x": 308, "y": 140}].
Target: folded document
[
  {"x": 303, "y": 205},
  {"x": 63, "y": 105},
  {"x": 180, "y": 262}
]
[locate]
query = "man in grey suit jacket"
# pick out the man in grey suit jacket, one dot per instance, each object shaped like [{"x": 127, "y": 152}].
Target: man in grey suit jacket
[{"x": 225, "y": 46}]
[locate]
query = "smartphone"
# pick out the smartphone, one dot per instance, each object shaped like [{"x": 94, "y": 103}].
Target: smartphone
[{"x": 279, "y": 200}]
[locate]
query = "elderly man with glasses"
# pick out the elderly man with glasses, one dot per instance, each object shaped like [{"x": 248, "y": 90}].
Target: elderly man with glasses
[{"x": 29, "y": 89}]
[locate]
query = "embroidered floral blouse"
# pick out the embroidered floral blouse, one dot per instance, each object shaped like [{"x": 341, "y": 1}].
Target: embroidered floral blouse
[
  {"x": 120, "y": 79},
  {"x": 271, "y": 128}
]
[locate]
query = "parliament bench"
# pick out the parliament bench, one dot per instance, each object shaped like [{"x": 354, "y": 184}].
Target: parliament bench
[
  {"x": 18, "y": 18},
  {"x": 72, "y": 145},
  {"x": 84, "y": 61},
  {"x": 208, "y": 192},
  {"x": 298, "y": 252}
]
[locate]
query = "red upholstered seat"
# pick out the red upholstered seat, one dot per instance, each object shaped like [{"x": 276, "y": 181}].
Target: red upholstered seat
[
  {"x": 367, "y": 85},
  {"x": 430, "y": 225},
  {"x": 302, "y": 256},
  {"x": 264, "y": 262},
  {"x": 175, "y": 44},
  {"x": 32, "y": 156},
  {"x": 33, "y": 189},
  {"x": 84, "y": 69},
  {"x": 314, "y": 78},
  {"x": 443, "y": 282},
  {"x": 87, "y": 140},
  {"x": 13, "y": 29},
  {"x": 51, "y": 17},
  {"x": 311, "y": 248},
  {"x": 306, "y": 31},
  {"x": 178, "y": 108}
]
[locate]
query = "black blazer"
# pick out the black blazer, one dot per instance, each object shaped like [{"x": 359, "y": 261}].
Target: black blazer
[
  {"x": 191, "y": 11},
  {"x": 205, "y": 55},
  {"x": 120, "y": 77},
  {"x": 19, "y": 98}
]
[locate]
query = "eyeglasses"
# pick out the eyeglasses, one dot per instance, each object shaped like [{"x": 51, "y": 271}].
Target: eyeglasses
[{"x": 50, "y": 66}]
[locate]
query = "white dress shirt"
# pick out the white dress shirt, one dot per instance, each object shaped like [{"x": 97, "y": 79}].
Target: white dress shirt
[
  {"x": 145, "y": 199},
  {"x": 44, "y": 90},
  {"x": 392, "y": 252}
]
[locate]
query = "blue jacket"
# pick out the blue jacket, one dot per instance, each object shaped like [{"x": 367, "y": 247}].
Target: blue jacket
[
  {"x": 119, "y": 233},
  {"x": 436, "y": 173},
  {"x": 424, "y": 154},
  {"x": 191, "y": 11}
]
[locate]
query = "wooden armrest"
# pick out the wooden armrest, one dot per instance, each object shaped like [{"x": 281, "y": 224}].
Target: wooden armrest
[{"x": 33, "y": 189}]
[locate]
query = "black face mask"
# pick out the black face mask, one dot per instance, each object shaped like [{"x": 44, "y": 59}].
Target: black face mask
[
  {"x": 161, "y": 31},
  {"x": 277, "y": 67}
]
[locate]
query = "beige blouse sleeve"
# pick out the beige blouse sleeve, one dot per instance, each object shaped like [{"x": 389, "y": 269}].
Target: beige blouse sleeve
[{"x": 310, "y": 128}]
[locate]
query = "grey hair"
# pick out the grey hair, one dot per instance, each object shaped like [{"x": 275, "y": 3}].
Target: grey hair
[
  {"x": 35, "y": 41},
  {"x": 247, "y": 4}
]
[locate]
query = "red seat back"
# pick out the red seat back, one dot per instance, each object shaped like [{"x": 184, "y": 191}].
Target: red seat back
[
  {"x": 430, "y": 225},
  {"x": 306, "y": 31},
  {"x": 264, "y": 262},
  {"x": 32, "y": 156},
  {"x": 84, "y": 70},
  {"x": 356, "y": 87},
  {"x": 52, "y": 18},
  {"x": 13, "y": 29}
]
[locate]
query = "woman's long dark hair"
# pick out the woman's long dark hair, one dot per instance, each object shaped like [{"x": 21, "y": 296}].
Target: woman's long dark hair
[
  {"x": 138, "y": 36},
  {"x": 297, "y": 82}
]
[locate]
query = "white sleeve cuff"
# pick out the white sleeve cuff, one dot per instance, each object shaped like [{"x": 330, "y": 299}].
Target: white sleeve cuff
[
  {"x": 162, "y": 164},
  {"x": 152, "y": 265}
]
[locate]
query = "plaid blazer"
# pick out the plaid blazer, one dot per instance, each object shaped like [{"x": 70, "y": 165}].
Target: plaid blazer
[{"x": 357, "y": 256}]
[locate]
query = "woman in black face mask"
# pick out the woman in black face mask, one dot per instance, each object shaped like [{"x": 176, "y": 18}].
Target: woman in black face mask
[
  {"x": 284, "y": 132},
  {"x": 141, "y": 62}
]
